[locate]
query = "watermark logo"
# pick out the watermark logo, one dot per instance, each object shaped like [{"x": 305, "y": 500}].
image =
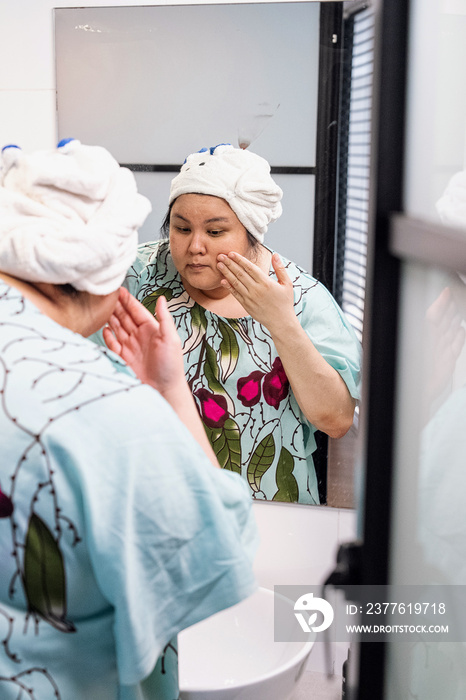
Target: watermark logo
[
  {"x": 371, "y": 613},
  {"x": 312, "y": 605}
]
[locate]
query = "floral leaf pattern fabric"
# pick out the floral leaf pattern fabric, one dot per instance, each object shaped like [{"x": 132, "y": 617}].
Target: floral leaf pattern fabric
[
  {"x": 238, "y": 380},
  {"x": 287, "y": 485},
  {"x": 44, "y": 576},
  {"x": 261, "y": 460},
  {"x": 151, "y": 300},
  {"x": 226, "y": 442},
  {"x": 198, "y": 327},
  {"x": 211, "y": 373},
  {"x": 229, "y": 350}
]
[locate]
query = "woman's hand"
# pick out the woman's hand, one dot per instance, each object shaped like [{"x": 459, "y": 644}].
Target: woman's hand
[
  {"x": 150, "y": 346},
  {"x": 318, "y": 388},
  {"x": 266, "y": 300}
]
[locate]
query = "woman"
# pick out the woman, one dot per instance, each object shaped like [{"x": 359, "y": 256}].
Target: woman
[
  {"x": 116, "y": 530},
  {"x": 268, "y": 354}
]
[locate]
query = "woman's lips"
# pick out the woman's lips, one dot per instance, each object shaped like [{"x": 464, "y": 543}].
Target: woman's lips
[{"x": 191, "y": 266}]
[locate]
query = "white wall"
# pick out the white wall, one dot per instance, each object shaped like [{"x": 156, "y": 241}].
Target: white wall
[
  {"x": 436, "y": 103},
  {"x": 298, "y": 546},
  {"x": 27, "y": 72}
]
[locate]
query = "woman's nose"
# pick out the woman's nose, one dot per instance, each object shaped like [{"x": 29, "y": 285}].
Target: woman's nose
[{"x": 196, "y": 243}]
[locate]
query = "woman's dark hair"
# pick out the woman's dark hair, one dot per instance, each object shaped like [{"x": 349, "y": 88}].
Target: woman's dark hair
[
  {"x": 254, "y": 244},
  {"x": 68, "y": 290},
  {"x": 165, "y": 227}
]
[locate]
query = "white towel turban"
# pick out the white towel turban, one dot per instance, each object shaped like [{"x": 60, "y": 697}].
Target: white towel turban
[
  {"x": 239, "y": 177},
  {"x": 451, "y": 206},
  {"x": 68, "y": 216}
]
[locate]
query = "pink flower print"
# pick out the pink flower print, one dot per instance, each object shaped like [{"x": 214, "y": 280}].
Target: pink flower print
[
  {"x": 6, "y": 505},
  {"x": 249, "y": 388},
  {"x": 276, "y": 384},
  {"x": 213, "y": 408}
]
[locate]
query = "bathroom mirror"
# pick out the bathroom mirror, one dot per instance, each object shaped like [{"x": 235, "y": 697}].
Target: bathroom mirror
[{"x": 155, "y": 83}]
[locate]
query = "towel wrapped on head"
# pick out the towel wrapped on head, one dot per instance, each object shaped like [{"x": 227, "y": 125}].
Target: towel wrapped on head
[
  {"x": 69, "y": 216},
  {"x": 239, "y": 177},
  {"x": 451, "y": 206}
]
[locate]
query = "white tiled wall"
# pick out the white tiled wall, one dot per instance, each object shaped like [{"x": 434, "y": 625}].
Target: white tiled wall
[{"x": 299, "y": 543}]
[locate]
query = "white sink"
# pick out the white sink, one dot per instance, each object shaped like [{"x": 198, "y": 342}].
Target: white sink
[{"x": 233, "y": 656}]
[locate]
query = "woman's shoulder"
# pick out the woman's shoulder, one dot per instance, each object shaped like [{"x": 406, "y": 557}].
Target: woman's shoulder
[
  {"x": 300, "y": 277},
  {"x": 312, "y": 297},
  {"x": 153, "y": 267},
  {"x": 150, "y": 252}
]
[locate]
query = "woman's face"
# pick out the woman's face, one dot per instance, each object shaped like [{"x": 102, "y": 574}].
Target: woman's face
[{"x": 201, "y": 227}]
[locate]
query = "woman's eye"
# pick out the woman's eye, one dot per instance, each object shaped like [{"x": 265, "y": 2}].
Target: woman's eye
[
  {"x": 215, "y": 233},
  {"x": 181, "y": 229}
]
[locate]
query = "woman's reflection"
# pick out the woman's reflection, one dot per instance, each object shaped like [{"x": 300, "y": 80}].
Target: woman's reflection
[
  {"x": 442, "y": 475},
  {"x": 269, "y": 355},
  {"x": 437, "y": 668}
]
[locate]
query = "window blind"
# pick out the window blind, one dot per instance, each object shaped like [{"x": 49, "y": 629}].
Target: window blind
[{"x": 353, "y": 166}]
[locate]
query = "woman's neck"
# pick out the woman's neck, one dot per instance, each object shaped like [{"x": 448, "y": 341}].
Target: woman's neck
[{"x": 60, "y": 307}]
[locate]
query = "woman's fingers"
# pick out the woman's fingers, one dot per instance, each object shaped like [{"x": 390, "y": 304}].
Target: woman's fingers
[
  {"x": 131, "y": 314},
  {"x": 280, "y": 270},
  {"x": 233, "y": 280},
  {"x": 110, "y": 341},
  {"x": 135, "y": 310},
  {"x": 121, "y": 323},
  {"x": 248, "y": 273},
  {"x": 242, "y": 268},
  {"x": 240, "y": 273},
  {"x": 166, "y": 323},
  {"x": 122, "y": 316},
  {"x": 162, "y": 312}
]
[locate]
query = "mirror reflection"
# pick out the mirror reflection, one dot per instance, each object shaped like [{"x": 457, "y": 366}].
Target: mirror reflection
[{"x": 115, "y": 87}]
